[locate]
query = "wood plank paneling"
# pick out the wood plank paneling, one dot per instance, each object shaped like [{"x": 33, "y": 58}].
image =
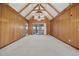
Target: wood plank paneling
[
  {"x": 12, "y": 25},
  {"x": 65, "y": 26},
  {"x": 0, "y": 22},
  {"x": 77, "y": 26}
]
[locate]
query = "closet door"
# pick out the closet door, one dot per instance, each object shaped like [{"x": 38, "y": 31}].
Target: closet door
[
  {"x": 73, "y": 26},
  {"x": 77, "y": 26},
  {"x": 6, "y": 27},
  {"x": 0, "y": 22},
  {"x": 64, "y": 26}
]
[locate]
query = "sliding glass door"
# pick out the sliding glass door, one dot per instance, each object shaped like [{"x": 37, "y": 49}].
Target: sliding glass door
[{"x": 38, "y": 29}]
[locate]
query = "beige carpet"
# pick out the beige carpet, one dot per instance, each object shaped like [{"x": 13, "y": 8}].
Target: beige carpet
[{"x": 39, "y": 45}]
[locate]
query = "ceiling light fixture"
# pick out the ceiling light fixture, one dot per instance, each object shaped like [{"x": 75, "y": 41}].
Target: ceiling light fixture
[{"x": 40, "y": 16}]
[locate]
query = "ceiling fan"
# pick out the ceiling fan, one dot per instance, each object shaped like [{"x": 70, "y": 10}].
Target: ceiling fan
[{"x": 40, "y": 13}]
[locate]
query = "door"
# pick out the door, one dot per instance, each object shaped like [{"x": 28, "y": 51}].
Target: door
[{"x": 39, "y": 29}]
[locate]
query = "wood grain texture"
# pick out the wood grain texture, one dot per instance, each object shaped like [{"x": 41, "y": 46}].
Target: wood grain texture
[
  {"x": 32, "y": 20},
  {"x": 65, "y": 27},
  {"x": 12, "y": 25},
  {"x": 0, "y": 22}
]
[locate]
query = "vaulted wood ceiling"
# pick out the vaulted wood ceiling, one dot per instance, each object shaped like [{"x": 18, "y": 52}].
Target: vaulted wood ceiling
[{"x": 28, "y": 10}]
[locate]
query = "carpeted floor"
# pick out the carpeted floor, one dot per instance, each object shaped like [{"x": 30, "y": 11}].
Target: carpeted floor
[{"x": 39, "y": 45}]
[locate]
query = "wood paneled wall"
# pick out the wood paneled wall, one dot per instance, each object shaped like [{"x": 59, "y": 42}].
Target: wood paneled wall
[
  {"x": 65, "y": 27},
  {"x": 12, "y": 25},
  {"x": 32, "y": 20}
]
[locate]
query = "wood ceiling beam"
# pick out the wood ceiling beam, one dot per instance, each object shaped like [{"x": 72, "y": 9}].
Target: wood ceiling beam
[
  {"x": 47, "y": 11},
  {"x": 40, "y": 9},
  {"x": 37, "y": 10},
  {"x": 53, "y": 8},
  {"x": 24, "y": 7},
  {"x": 32, "y": 10}
]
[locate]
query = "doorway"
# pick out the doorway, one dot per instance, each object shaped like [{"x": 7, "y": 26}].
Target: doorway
[{"x": 39, "y": 29}]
